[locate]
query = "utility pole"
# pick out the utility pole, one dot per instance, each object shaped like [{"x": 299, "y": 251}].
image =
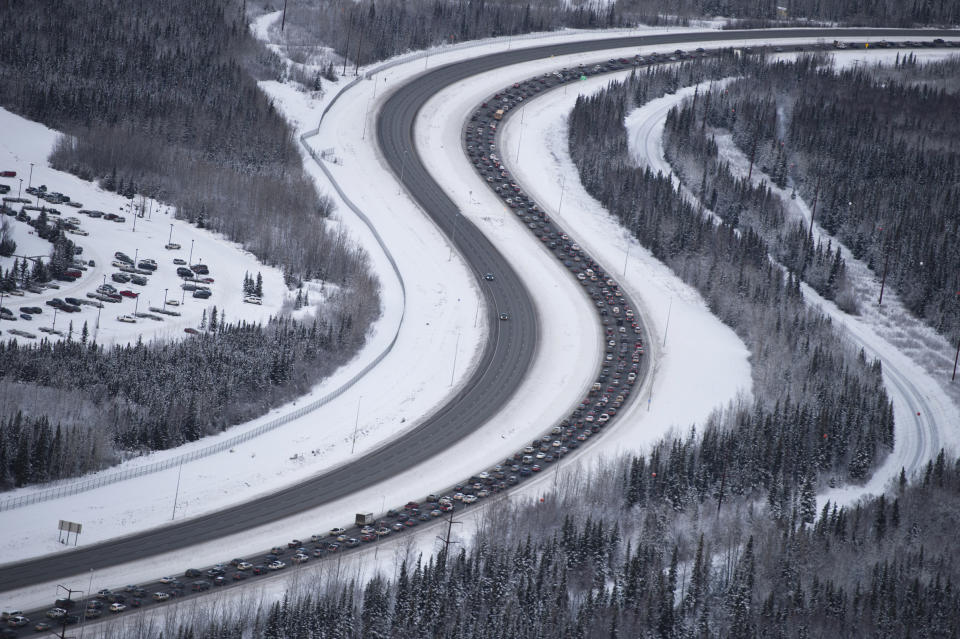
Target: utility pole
[{"x": 283, "y": 18}]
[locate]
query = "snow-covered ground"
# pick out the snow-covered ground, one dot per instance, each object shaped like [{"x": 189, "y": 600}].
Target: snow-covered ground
[
  {"x": 442, "y": 305},
  {"x": 442, "y": 310},
  {"x": 915, "y": 359},
  {"x": 25, "y": 143}
]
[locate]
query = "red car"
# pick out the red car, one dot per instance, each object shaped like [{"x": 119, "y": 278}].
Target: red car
[{"x": 127, "y": 293}]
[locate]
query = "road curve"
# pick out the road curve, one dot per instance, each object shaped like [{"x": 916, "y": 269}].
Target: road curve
[{"x": 502, "y": 365}]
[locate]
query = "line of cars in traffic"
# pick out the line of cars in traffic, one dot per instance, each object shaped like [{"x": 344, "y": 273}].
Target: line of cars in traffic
[{"x": 622, "y": 363}]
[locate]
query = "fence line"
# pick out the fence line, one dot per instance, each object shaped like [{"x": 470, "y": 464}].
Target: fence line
[{"x": 112, "y": 478}]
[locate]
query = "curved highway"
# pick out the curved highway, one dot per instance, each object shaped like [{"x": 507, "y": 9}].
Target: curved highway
[{"x": 503, "y": 363}]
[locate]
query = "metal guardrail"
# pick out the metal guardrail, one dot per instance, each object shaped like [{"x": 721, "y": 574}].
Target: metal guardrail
[{"x": 92, "y": 483}]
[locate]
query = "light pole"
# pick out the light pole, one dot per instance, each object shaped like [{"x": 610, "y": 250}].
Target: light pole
[
  {"x": 176, "y": 494},
  {"x": 190, "y": 261},
  {"x": 54, "y": 327},
  {"x": 629, "y": 246},
  {"x": 456, "y": 222},
  {"x": 165, "y": 298},
  {"x": 20, "y": 190},
  {"x": 563, "y": 184},
  {"x": 86, "y": 598},
  {"x": 356, "y": 424},
  {"x": 170, "y": 237},
  {"x": 455, "y": 351},
  {"x": 30, "y": 181},
  {"x": 523, "y": 110},
  {"x": 403, "y": 166}
]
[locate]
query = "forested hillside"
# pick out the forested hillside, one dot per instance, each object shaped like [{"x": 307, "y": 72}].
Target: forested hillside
[
  {"x": 584, "y": 564},
  {"x": 878, "y": 150},
  {"x": 369, "y": 31},
  {"x": 821, "y": 412},
  {"x": 160, "y": 97},
  {"x": 157, "y": 396}
]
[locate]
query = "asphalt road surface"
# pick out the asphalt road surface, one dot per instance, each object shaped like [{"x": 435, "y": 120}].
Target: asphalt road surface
[{"x": 504, "y": 362}]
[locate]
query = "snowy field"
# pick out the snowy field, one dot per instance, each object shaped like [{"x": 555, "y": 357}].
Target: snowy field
[
  {"x": 24, "y": 143},
  {"x": 439, "y": 335}
]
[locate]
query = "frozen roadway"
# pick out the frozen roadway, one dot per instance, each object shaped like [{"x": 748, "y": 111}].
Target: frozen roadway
[{"x": 504, "y": 363}]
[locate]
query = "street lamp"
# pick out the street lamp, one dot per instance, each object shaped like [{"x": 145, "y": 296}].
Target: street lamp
[
  {"x": 20, "y": 190},
  {"x": 170, "y": 237},
  {"x": 403, "y": 166},
  {"x": 30, "y": 181},
  {"x": 165, "y": 298},
  {"x": 190, "y": 261}
]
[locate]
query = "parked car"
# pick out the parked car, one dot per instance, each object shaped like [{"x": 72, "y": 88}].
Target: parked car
[
  {"x": 201, "y": 294},
  {"x": 120, "y": 278},
  {"x": 183, "y": 271}
]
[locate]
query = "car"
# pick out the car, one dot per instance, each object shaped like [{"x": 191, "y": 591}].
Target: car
[
  {"x": 488, "y": 276},
  {"x": 259, "y": 569},
  {"x": 172, "y": 246},
  {"x": 294, "y": 543},
  {"x": 128, "y": 319},
  {"x": 504, "y": 316},
  {"x": 201, "y": 294},
  {"x": 192, "y": 573},
  {"x": 200, "y": 586},
  {"x": 253, "y": 299},
  {"x": 244, "y": 565},
  {"x": 117, "y": 608},
  {"x": 201, "y": 269},
  {"x": 239, "y": 576},
  {"x": 92, "y": 613},
  {"x": 17, "y": 621},
  {"x": 43, "y": 626},
  {"x": 120, "y": 278},
  {"x": 56, "y": 613},
  {"x": 139, "y": 280},
  {"x": 161, "y": 596},
  {"x": 334, "y": 532},
  {"x": 276, "y": 565},
  {"x": 183, "y": 271},
  {"x": 167, "y": 580},
  {"x": 179, "y": 261},
  {"x": 301, "y": 558}
]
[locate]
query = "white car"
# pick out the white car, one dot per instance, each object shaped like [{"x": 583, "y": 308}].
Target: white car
[
  {"x": 276, "y": 565},
  {"x": 244, "y": 565},
  {"x": 173, "y": 303},
  {"x": 167, "y": 580},
  {"x": 253, "y": 299},
  {"x": 117, "y": 607},
  {"x": 469, "y": 499},
  {"x": 300, "y": 558},
  {"x": 161, "y": 596},
  {"x": 337, "y": 531},
  {"x": 129, "y": 319}
]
